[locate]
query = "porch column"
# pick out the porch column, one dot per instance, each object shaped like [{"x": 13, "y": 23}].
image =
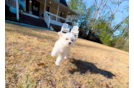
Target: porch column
[
  {"x": 66, "y": 16},
  {"x": 17, "y": 10},
  {"x": 57, "y": 13},
  {"x": 45, "y": 5},
  {"x": 25, "y": 6}
]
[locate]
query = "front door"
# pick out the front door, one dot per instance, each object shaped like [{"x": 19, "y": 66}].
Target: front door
[
  {"x": 35, "y": 7},
  {"x": 27, "y": 5}
]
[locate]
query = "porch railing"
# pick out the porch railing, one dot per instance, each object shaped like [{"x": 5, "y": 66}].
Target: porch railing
[
  {"x": 11, "y": 3},
  {"x": 54, "y": 19},
  {"x": 47, "y": 19}
]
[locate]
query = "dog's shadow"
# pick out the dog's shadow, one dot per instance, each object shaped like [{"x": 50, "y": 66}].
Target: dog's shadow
[{"x": 83, "y": 67}]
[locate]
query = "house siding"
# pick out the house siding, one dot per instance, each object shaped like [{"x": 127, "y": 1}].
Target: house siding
[
  {"x": 58, "y": 0},
  {"x": 41, "y": 12},
  {"x": 52, "y": 10}
]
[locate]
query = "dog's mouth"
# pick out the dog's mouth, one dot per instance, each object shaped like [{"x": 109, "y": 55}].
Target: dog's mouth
[{"x": 69, "y": 43}]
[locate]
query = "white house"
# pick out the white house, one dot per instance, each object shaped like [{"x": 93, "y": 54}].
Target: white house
[{"x": 54, "y": 12}]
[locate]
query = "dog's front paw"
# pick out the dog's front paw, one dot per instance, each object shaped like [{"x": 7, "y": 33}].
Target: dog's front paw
[
  {"x": 65, "y": 57},
  {"x": 57, "y": 63}
]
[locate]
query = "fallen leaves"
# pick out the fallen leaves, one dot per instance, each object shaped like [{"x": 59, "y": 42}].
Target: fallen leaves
[
  {"x": 79, "y": 84},
  {"x": 95, "y": 63},
  {"x": 92, "y": 72},
  {"x": 8, "y": 54},
  {"x": 31, "y": 48},
  {"x": 19, "y": 37},
  {"x": 111, "y": 60},
  {"x": 73, "y": 68},
  {"x": 119, "y": 73},
  {"x": 79, "y": 53},
  {"x": 17, "y": 56},
  {"x": 40, "y": 64},
  {"x": 42, "y": 52},
  {"x": 42, "y": 40},
  {"x": 116, "y": 79},
  {"x": 51, "y": 45},
  {"x": 105, "y": 68},
  {"x": 115, "y": 73},
  {"x": 72, "y": 58},
  {"x": 104, "y": 83},
  {"x": 113, "y": 76}
]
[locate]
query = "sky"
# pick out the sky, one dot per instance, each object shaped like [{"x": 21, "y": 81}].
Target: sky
[{"x": 119, "y": 16}]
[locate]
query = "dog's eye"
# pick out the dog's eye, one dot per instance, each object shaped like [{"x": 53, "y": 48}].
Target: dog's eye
[
  {"x": 72, "y": 40},
  {"x": 66, "y": 38}
]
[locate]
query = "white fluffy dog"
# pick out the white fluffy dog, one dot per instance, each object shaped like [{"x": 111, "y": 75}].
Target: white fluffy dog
[{"x": 62, "y": 46}]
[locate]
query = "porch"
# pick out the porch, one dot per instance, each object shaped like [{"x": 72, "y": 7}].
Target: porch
[
  {"x": 32, "y": 21},
  {"x": 51, "y": 11}
]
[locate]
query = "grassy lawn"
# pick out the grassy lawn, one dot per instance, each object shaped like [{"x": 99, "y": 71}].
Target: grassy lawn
[{"x": 28, "y": 63}]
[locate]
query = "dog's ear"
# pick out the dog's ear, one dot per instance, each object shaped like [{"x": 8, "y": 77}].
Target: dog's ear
[{"x": 60, "y": 34}]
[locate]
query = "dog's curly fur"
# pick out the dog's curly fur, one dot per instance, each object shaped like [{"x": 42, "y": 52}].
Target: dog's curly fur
[{"x": 62, "y": 46}]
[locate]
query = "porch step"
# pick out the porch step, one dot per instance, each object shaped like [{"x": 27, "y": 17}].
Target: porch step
[{"x": 32, "y": 21}]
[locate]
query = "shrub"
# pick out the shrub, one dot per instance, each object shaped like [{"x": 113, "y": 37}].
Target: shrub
[{"x": 7, "y": 12}]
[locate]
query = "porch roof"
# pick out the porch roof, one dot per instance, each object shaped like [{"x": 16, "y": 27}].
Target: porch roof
[{"x": 62, "y": 7}]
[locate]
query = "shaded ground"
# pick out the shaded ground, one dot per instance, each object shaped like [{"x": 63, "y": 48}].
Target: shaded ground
[
  {"x": 32, "y": 21},
  {"x": 28, "y": 62},
  {"x": 83, "y": 67}
]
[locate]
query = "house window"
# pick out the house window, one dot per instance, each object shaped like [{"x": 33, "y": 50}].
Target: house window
[
  {"x": 35, "y": 8},
  {"x": 58, "y": 0},
  {"x": 47, "y": 8},
  {"x": 52, "y": 10}
]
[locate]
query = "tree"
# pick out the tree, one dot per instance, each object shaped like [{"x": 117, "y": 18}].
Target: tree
[
  {"x": 121, "y": 41},
  {"x": 96, "y": 22},
  {"x": 79, "y": 7}
]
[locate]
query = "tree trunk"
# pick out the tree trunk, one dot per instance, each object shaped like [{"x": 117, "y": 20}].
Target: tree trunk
[
  {"x": 97, "y": 13},
  {"x": 113, "y": 13},
  {"x": 101, "y": 10}
]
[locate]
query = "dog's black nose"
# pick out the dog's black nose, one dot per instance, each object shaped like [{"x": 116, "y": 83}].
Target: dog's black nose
[{"x": 69, "y": 43}]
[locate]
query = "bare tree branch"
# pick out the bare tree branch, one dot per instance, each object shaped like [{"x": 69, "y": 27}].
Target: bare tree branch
[
  {"x": 116, "y": 28},
  {"x": 98, "y": 7},
  {"x": 101, "y": 10},
  {"x": 125, "y": 31},
  {"x": 117, "y": 6},
  {"x": 120, "y": 12}
]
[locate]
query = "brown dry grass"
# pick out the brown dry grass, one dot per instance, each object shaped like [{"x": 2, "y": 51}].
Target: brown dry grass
[{"x": 28, "y": 62}]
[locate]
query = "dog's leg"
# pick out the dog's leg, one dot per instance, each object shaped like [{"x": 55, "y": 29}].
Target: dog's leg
[
  {"x": 65, "y": 57},
  {"x": 66, "y": 54},
  {"x": 54, "y": 52},
  {"x": 59, "y": 59}
]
